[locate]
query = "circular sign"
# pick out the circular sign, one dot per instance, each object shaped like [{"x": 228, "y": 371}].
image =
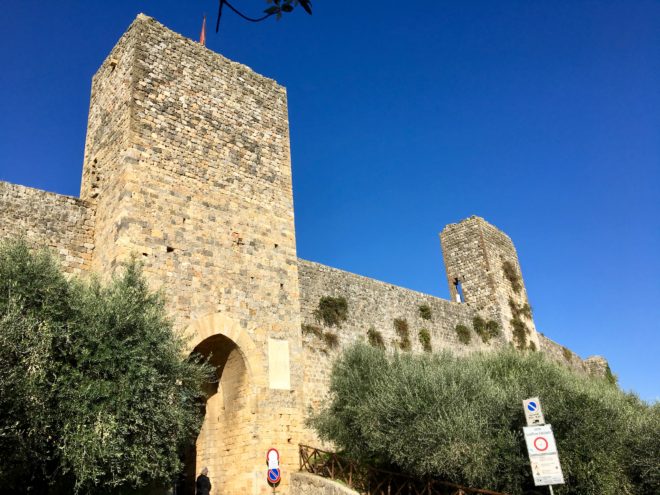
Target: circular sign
[
  {"x": 540, "y": 444},
  {"x": 532, "y": 406},
  {"x": 274, "y": 476},
  {"x": 273, "y": 459}
]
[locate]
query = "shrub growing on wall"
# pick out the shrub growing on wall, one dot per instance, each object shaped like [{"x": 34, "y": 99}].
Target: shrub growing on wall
[
  {"x": 512, "y": 275},
  {"x": 425, "y": 312},
  {"x": 425, "y": 339},
  {"x": 401, "y": 328},
  {"x": 95, "y": 391},
  {"x": 375, "y": 338},
  {"x": 461, "y": 419},
  {"x": 487, "y": 330},
  {"x": 463, "y": 334},
  {"x": 332, "y": 311}
]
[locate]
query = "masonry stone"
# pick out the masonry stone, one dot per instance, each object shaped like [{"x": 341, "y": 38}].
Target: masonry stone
[{"x": 187, "y": 167}]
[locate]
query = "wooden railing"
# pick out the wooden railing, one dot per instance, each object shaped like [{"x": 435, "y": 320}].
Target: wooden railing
[{"x": 371, "y": 481}]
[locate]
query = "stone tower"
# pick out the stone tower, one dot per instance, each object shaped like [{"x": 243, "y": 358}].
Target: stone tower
[
  {"x": 187, "y": 165},
  {"x": 483, "y": 270}
]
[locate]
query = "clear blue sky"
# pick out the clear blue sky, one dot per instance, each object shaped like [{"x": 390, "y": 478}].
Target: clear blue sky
[{"x": 543, "y": 117}]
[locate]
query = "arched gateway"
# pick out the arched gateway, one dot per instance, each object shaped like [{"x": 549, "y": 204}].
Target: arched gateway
[{"x": 227, "y": 443}]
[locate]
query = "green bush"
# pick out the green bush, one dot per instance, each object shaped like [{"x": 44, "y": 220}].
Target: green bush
[
  {"x": 375, "y": 338},
  {"x": 96, "y": 393},
  {"x": 332, "y": 311},
  {"x": 487, "y": 330},
  {"x": 463, "y": 334},
  {"x": 519, "y": 333},
  {"x": 425, "y": 312},
  {"x": 461, "y": 419},
  {"x": 312, "y": 330},
  {"x": 512, "y": 275},
  {"x": 331, "y": 340},
  {"x": 425, "y": 340},
  {"x": 401, "y": 328}
]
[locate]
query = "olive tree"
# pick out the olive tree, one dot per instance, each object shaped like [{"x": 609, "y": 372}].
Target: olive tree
[
  {"x": 96, "y": 392},
  {"x": 460, "y": 419}
]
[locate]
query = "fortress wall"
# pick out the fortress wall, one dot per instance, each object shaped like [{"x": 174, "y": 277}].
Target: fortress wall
[
  {"x": 376, "y": 304},
  {"x": 63, "y": 223},
  {"x": 561, "y": 354}
]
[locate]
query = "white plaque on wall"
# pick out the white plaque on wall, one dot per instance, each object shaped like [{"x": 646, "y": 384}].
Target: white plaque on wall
[{"x": 279, "y": 368}]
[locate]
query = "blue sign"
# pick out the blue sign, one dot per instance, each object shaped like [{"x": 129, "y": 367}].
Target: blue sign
[
  {"x": 274, "y": 476},
  {"x": 532, "y": 406}
]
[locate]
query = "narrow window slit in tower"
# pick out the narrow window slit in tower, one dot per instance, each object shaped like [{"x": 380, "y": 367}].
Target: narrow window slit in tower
[
  {"x": 170, "y": 249},
  {"x": 459, "y": 291}
]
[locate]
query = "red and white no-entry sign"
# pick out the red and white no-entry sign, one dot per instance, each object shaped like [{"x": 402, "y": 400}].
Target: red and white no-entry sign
[
  {"x": 540, "y": 440},
  {"x": 543, "y": 456},
  {"x": 541, "y": 444}
]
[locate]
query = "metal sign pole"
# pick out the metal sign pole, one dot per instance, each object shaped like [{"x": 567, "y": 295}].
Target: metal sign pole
[{"x": 551, "y": 491}]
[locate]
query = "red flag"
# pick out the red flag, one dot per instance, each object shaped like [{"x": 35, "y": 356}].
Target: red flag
[{"x": 202, "y": 37}]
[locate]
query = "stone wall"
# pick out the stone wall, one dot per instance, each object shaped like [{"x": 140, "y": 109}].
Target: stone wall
[
  {"x": 371, "y": 304},
  {"x": 478, "y": 254},
  {"x": 62, "y": 223},
  {"x": 561, "y": 354},
  {"x": 309, "y": 484}
]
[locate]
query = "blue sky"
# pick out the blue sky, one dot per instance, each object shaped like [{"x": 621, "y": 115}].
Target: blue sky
[{"x": 543, "y": 117}]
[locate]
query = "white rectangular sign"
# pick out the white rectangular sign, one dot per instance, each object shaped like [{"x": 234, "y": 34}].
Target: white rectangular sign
[
  {"x": 543, "y": 455},
  {"x": 533, "y": 413}
]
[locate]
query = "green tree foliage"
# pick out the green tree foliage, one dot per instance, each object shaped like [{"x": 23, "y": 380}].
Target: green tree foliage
[
  {"x": 96, "y": 393},
  {"x": 461, "y": 419}
]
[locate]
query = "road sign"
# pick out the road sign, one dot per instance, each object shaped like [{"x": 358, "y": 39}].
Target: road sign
[
  {"x": 543, "y": 456},
  {"x": 273, "y": 459},
  {"x": 533, "y": 413},
  {"x": 274, "y": 476}
]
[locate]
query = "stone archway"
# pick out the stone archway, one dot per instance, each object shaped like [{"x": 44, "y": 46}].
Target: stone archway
[{"x": 227, "y": 440}]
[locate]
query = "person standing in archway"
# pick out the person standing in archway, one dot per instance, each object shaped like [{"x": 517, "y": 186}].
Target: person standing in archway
[{"x": 203, "y": 484}]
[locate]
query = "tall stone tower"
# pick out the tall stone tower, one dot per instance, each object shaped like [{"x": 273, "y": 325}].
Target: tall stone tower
[
  {"x": 483, "y": 270},
  {"x": 187, "y": 165}
]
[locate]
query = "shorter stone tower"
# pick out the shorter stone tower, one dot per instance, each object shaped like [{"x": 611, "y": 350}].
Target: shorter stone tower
[{"x": 483, "y": 271}]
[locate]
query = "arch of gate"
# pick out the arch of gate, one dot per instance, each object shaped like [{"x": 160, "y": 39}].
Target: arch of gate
[
  {"x": 220, "y": 324},
  {"x": 227, "y": 441}
]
